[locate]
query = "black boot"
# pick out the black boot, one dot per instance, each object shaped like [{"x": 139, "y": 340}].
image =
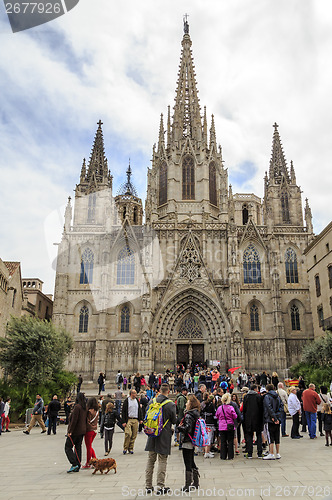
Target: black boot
[
  {"x": 189, "y": 480},
  {"x": 196, "y": 478}
]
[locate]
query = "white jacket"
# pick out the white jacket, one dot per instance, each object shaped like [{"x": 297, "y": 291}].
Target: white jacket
[
  {"x": 294, "y": 404},
  {"x": 6, "y": 410}
]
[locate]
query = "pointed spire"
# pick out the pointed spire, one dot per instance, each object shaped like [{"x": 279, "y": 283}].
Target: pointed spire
[
  {"x": 278, "y": 166},
  {"x": 127, "y": 189},
  {"x": 83, "y": 171},
  {"x": 292, "y": 173},
  {"x": 161, "y": 141},
  {"x": 231, "y": 208},
  {"x": 68, "y": 215},
  {"x": 169, "y": 126},
  {"x": 98, "y": 162},
  {"x": 205, "y": 128},
  {"x": 212, "y": 133},
  {"x": 187, "y": 118},
  {"x": 308, "y": 216}
]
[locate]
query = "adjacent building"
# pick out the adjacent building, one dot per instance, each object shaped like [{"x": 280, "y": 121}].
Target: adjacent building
[
  {"x": 319, "y": 263},
  {"x": 36, "y": 303},
  {"x": 11, "y": 295}
]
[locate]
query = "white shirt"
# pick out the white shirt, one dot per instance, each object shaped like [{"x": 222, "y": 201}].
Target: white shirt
[
  {"x": 132, "y": 408},
  {"x": 294, "y": 404}
]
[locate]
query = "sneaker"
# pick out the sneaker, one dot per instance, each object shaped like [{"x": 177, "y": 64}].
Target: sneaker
[
  {"x": 176, "y": 444},
  {"x": 237, "y": 452},
  {"x": 26, "y": 432},
  {"x": 296, "y": 437},
  {"x": 285, "y": 435},
  {"x": 42, "y": 432},
  {"x": 209, "y": 455},
  {"x": 86, "y": 466},
  {"x": 327, "y": 444},
  {"x": 278, "y": 456},
  {"x": 131, "y": 452},
  {"x": 7, "y": 430},
  {"x": 106, "y": 453},
  {"x": 259, "y": 456},
  {"x": 124, "y": 452},
  {"x": 247, "y": 455},
  {"x": 149, "y": 490},
  {"x": 73, "y": 468},
  {"x": 300, "y": 436},
  {"x": 163, "y": 491},
  {"x": 269, "y": 457},
  {"x": 265, "y": 453}
]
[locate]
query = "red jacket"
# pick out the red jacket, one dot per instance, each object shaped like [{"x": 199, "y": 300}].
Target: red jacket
[{"x": 310, "y": 400}]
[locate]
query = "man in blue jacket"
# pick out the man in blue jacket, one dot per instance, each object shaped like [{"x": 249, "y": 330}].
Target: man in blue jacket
[{"x": 37, "y": 415}]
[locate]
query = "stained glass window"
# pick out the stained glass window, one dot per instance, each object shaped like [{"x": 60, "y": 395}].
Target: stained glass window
[
  {"x": 291, "y": 266},
  {"x": 86, "y": 267},
  {"x": 295, "y": 318},
  {"x": 190, "y": 329},
  {"x": 126, "y": 267},
  {"x": 125, "y": 319},
  {"x": 163, "y": 183},
  {"x": 188, "y": 178},
  {"x": 84, "y": 320},
  {"x": 251, "y": 265},
  {"x": 284, "y": 206},
  {"x": 212, "y": 184},
  {"x": 254, "y": 319}
]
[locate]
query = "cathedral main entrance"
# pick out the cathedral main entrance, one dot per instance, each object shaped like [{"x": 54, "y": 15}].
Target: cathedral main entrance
[{"x": 190, "y": 353}]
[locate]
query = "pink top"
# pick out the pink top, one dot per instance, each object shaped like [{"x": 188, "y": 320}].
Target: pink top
[{"x": 229, "y": 418}]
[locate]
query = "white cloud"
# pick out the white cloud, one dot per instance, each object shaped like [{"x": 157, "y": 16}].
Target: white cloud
[{"x": 257, "y": 62}]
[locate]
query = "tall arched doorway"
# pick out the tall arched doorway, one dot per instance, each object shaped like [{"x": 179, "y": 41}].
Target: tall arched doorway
[{"x": 190, "y": 345}]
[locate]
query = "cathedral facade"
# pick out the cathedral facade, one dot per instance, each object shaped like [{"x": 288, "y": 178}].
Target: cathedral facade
[{"x": 206, "y": 276}]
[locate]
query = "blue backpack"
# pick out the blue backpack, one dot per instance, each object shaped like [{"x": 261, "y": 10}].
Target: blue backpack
[{"x": 200, "y": 437}]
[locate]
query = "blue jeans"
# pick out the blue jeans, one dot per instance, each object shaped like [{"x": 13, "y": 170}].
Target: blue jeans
[
  {"x": 118, "y": 406},
  {"x": 283, "y": 423},
  {"x": 195, "y": 387},
  {"x": 311, "y": 422}
]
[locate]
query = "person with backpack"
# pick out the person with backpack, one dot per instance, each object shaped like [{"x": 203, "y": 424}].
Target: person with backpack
[
  {"x": 180, "y": 402},
  {"x": 273, "y": 408},
  {"x": 119, "y": 378},
  {"x": 187, "y": 429},
  {"x": 159, "y": 442}
]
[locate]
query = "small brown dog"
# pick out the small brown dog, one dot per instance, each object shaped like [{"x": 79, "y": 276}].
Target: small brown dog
[{"x": 103, "y": 464}]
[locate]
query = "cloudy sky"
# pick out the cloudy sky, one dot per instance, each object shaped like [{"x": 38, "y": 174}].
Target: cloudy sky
[{"x": 257, "y": 62}]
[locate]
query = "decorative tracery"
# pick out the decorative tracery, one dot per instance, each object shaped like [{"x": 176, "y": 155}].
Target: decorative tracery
[
  {"x": 212, "y": 184},
  {"x": 125, "y": 319},
  {"x": 251, "y": 265},
  {"x": 190, "y": 329},
  {"x": 295, "y": 318},
  {"x": 83, "y": 320},
  {"x": 190, "y": 263},
  {"x": 163, "y": 183},
  {"x": 86, "y": 267},
  {"x": 284, "y": 206},
  {"x": 254, "y": 319}
]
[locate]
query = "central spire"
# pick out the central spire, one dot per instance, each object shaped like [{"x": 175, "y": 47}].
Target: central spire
[
  {"x": 187, "y": 117},
  {"x": 278, "y": 166}
]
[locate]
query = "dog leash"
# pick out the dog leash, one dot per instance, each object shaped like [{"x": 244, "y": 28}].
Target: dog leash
[{"x": 72, "y": 442}]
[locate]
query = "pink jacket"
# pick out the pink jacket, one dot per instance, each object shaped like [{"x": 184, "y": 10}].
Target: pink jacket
[{"x": 230, "y": 415}]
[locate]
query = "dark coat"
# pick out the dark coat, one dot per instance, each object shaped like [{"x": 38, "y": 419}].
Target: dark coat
[
  {"x": 77, "y": 421},
  {"x": 253, "y": 412},
  {"x": 327, "y": 419},
  {"x": 53, "y": 408},
  {"x": 124, "y": 411},
  {"x": 110, "y": 419},
  {"x": 162, "y": 444},
  {"x": 263, "y": 379},
  {"x": 208, "y": 412},
  {"x": 187, "y": 428}
]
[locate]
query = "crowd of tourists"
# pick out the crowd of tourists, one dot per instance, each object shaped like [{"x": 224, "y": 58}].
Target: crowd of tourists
[{"x": 230, "y": 418}]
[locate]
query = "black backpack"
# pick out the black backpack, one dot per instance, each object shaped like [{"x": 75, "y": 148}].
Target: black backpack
[{"x": 120, "y": 379}]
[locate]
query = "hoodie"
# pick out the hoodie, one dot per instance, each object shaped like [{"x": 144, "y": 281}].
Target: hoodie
[{"x": 273, "y": 407}]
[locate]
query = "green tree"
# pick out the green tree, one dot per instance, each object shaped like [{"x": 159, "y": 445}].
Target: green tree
[
  {"x": 316, "y": 362},
  {"x": 33, "y": 350}
]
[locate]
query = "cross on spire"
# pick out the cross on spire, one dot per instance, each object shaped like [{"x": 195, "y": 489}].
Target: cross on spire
[
  {"x": 185, "y": 24},
  {"x": 100, "y": 123}
]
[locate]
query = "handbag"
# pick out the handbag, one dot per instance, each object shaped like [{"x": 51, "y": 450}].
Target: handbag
[{"x": 230, "y": 427}]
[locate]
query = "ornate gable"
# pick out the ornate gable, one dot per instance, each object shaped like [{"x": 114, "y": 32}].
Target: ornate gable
[{"x": 251, "y": 233}]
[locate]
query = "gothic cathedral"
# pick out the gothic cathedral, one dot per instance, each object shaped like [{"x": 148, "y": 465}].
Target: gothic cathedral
[{"x": 207, "y": 276}]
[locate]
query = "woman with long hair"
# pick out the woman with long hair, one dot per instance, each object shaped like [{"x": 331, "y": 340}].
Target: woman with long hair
[
  {"x": 208, "y": 411},
  {"x": 226, "y": 416},
  {"x": 75, "y": 432},
  {"x": 275, "y": 380},
  {"x": 91, "y": 429},
  {"x": 237, "y": 434},
  {"x": 187, "y": 429}
]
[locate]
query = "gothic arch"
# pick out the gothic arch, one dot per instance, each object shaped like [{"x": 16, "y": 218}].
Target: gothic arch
[{"x": 191, "y": 301}]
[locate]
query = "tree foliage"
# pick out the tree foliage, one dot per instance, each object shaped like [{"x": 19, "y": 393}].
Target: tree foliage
[
  {"x": 316, "y": 362},
  {"x": 33, "y": 350}
]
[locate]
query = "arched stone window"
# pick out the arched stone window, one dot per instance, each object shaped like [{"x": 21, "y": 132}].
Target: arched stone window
[
  {"x": 125, "y": 319},
  {"x": 126, "y": 267},
  {"x": 83, "y": 320},
  {"x": 86, "y": 267},
  {"x": 291, "y": 266},
  {"x": 92, "y": 207},
  {"x": 212, "y": 184},
  {"x": 188, "y": 178},
  {"x": 254, "y": 318},
  {"x": 245, "y": 214},
  {"x": 251, "y": 265},
  {"x": 135, "y": 215},
  {"x": 295, "y": 318},
  {"x": 163, "y": 183},
  {"x": 284, "y": 206}
]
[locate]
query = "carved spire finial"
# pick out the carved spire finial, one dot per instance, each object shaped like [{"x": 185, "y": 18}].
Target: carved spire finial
[
  {"x": 186, "y": 24},
  {"x": 278, "y": 166}
]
